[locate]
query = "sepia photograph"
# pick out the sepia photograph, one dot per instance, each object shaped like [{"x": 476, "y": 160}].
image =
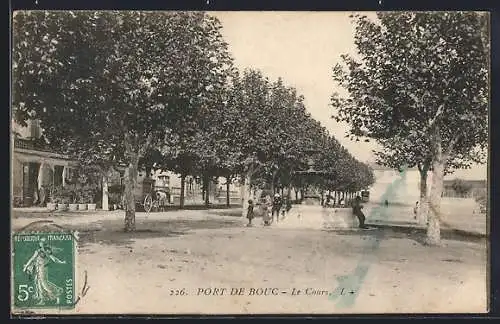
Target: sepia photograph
[{"x": 249, "y": 162}]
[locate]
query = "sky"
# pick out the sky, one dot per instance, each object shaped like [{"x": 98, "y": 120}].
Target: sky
[{"x": 302, "y": 48}]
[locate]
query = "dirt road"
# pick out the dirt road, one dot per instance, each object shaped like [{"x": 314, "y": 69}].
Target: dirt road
[{"x": 173, "y": 260}]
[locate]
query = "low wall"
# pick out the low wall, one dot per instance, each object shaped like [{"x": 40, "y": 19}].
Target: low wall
[{"x": 317, "y": 217}]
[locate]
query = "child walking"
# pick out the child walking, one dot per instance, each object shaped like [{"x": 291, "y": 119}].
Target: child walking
[{"x": 250, "y": 214}]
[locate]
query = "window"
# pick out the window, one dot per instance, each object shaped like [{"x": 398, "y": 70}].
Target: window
[
  {"x": 34, "y": 128},
  {"x": 163, "y": 181}
]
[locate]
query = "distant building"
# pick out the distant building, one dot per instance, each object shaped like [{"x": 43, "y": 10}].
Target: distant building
[
  {"x": 193, "y": 188},
  {"x": 409, "y": 190},
  {"x": 475, "y": 188}
]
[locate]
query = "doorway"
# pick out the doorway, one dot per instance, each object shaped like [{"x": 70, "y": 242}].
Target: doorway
[{"x": 30, "y": 183}]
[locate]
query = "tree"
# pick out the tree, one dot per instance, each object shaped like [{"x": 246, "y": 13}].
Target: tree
[
  {"x": 423, "y": 75},
  {"x": 293, "y": 133},
  {"x": 246, "y": 109},
  {"x": 109, "y": 86},
  {"x": 461, "y": 187},
  {"x": 412, "y": 151}
]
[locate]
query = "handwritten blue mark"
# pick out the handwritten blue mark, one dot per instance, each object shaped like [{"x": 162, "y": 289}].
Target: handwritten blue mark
[{"x": 352, "y": 283}]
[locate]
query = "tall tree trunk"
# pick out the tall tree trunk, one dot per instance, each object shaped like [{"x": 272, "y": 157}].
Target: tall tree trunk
[
  {"x": 422, "y": 211},
  {"x": 183, "y": 185},
  {"x": 296, "y": 195},
  {"x": 246, "y": 192},
  {"x": 438, "y": 164},
  {"x": 273, "y": 181},
  {"x": 206, "y": 184},
  {"x": 228, "y": 183},
  {"x": 130, "y": 185}
]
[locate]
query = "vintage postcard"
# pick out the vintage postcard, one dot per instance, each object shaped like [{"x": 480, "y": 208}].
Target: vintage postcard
[{"x": 176, "y": 162}]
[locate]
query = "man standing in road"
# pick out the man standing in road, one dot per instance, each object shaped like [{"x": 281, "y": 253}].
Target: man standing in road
[{"x": 356, "y": 210}]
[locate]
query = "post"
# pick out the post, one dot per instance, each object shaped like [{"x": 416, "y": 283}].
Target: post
[
  {"x": 183, "y": 191},
  {"x": 105, "y": 195},
  {"x": 64, "y": 176},
  {"x": 40, "y": 175},
  {"x": 228, "y": 187}
]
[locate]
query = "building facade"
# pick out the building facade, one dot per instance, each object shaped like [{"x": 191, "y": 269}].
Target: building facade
[{"x": 33, "y": 165}]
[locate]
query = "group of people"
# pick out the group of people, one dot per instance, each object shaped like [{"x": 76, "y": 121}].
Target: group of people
[{"x": 269, "y": 209}]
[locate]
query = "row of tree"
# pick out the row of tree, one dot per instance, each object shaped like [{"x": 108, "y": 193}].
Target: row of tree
[
  {"x": 159, "y": 91},
  {"x": 419, "y": 86}
]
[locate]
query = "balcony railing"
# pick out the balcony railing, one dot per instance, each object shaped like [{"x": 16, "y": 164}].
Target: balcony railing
[{"x": 29, "y": 144}]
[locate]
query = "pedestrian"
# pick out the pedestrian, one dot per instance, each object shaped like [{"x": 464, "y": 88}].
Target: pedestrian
[
  {"x": 250, "y": 214},
  {"x": 277, "y": 203},
  {"x": 268, "y": 210},
  {"x": 284, "y": 210},
  {"x": 415, "y": 210},
  {"x": 288, "y": 205},
  {"x": 356, "y": 210},
  {"x": 342, "y": 202}
]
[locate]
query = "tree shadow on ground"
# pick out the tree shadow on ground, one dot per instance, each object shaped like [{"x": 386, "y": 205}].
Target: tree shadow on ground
[
  {"x": 234, "y": 213},
  {"x": 415, "y": 234},
  {"x": 120, "y": 237},
  {"x": 216, "y": 209},
  {"x": 112, "y": 231},
  {"x": 39, "y": 214}
]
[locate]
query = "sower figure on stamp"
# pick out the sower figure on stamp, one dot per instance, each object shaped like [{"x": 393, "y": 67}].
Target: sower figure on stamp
[
  {"x": 356, "y": 210},
  {"x": 36, "y": 267}
]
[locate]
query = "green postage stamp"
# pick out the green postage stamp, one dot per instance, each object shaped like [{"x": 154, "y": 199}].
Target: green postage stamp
[{"x": 43, "y": 270}]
